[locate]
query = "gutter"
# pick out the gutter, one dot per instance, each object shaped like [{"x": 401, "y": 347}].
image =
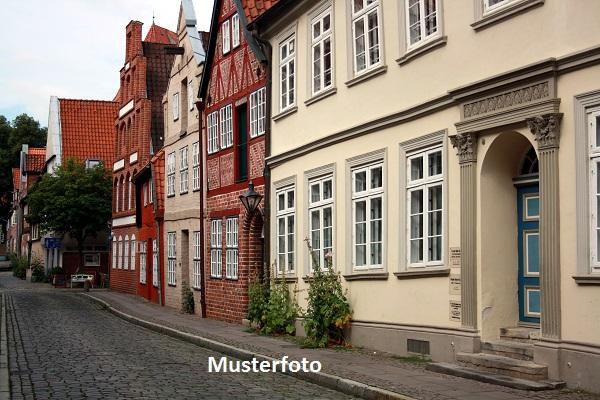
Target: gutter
[
  {"x": 158, "y": 234},
  {"x": 200, "y": 107}
]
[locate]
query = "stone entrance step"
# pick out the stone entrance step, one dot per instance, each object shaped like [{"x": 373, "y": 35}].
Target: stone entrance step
[
  {"x": 509, "y": 348},
  {"x": 489, "y": 377},
  {"x": 519, "y": 334},
  {"x": 504, "y": 365}
]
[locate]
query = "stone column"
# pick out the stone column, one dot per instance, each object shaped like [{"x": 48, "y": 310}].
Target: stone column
[
  {"x": 466, "y": 149},
  {"x": 546, "y": 130}
]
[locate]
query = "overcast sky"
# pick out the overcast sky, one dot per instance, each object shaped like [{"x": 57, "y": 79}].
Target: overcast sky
[{"x": 71, "y": 48}]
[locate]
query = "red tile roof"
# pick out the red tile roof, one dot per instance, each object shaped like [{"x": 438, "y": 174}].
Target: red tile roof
[
  {"x": 36, "y": 158},
  {"x": 88, "y": 129},
  {"x": 158, "y": 34},
  {"x": 159, "y": 178},
  {"x": 16, "y": 175},
  {"x": 254, "y": 8}
]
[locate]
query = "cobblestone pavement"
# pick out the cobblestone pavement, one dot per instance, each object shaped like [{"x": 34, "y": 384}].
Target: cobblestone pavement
[{"x": 62, "y": 346}]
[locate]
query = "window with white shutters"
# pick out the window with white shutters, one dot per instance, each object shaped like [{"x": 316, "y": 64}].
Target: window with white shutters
[
  {"x": 226, "y": 126},
  {"x": 258, "y": 112},
  {"x": 142, "y": 253},
  {"x": 197, "y": 260},
  {"x": 196, "y": 166},
  {"x": 366, "y": 34},
  {"x": 231, "y": 255},
  {"x": 320, "y": 221},
  {"x": 285, "y": 230},
  {"x": 183, "y": 170},
  {"x": 155, "y": 263},
  {"x": 321, "y": 51},
  {"x": 216, "y": 248},
  {"x": 212, "y": 127},
  {"x": 424, "y": 199},
  {"x": 367, "y": 216},
  {"x": 287, "y": 73},
  {"x": 171, "y": 258},
  {"x": 171, "y": 174}
]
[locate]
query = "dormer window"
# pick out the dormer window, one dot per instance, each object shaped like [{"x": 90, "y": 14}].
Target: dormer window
[{"x": 89, "y": 164}]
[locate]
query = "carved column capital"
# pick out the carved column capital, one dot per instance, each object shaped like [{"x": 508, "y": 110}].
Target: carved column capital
[
  {"x": 466, "y": 146},
  {"x": 546, "y": 130}
]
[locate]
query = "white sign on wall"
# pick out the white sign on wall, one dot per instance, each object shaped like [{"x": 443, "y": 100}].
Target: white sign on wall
[{"x": 455, "y": 311}]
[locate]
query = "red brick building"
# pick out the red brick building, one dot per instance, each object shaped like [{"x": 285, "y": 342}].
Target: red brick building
[
  {"x": 150, "y": 212},
  {"x": 139, "y": 133},
  {"x": 233, "y": 98}
]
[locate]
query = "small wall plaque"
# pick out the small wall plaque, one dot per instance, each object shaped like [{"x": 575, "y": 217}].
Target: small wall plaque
[
  {"x": 455, "y": 256},
  {"x": 455, "y": 284},
  {"x": 455, "y": 314}
]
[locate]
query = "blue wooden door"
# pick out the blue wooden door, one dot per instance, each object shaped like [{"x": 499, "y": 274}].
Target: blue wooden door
[{"x": 528, "y": 210}]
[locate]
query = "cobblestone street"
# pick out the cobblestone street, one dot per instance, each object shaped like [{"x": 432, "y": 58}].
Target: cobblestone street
[{"x": 61, "y": 345}]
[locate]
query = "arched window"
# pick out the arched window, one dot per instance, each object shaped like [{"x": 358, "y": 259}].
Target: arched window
[
  {"x": 114, "y": 252},
  {"x": 126, "y": 252},
  {"x": 116, "y": 196},
  {"x": 132, "y": 245},
  {"x": 120, "y": 253},
  {"x": 529, "y": 165}
]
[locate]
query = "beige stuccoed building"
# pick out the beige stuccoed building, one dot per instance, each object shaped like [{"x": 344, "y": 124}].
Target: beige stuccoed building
[
  {"x": 445, "y": 153},
  {"x": 183, "y": 172}
]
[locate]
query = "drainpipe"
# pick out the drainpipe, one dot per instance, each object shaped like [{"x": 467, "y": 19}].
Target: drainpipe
[
  {"x": 200, "y": 107},
  {"x": 158, "y": 234},
  {"x": 267, "y": 50}
]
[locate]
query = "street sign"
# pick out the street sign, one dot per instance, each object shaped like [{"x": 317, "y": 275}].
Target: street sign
[{"x": 52, "y": 243}]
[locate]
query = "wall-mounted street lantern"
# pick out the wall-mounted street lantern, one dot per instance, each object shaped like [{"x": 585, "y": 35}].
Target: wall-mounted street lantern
[{"x": 251, "y": 199}]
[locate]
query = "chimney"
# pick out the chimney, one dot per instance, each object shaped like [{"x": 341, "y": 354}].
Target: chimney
[{"x": 133, "y": 46}]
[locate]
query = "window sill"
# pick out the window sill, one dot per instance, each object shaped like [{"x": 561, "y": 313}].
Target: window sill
[
  {"x": 182, "y": 193},
  {"x": 423, "y": 273},
  {"x": 196, "y": 289},
  {"x": 286, "y": 279},
  {"x": 422, "y": 49},
  {"x": 587, "y": 279},
  {"x": 367, "y": 276},
  {"x": 182, "y": 133},
  {"x": 231, "y": 279},
  {"x": 321, "y": 95},
  {"x": 171, "y": 285},
  {"x": 215, "y": 277},
  {"x": 367, "y": 75},
  {"x": 170, "y": 195},
  {"x": 285, "y": 113},
  {"x": 510, "y": 10}
]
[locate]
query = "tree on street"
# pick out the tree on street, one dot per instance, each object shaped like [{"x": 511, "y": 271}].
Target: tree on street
[{"x": 75, "y": 200}]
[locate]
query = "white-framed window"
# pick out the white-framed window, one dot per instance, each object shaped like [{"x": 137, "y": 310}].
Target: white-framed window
[
  {"x": 492, "y": 5},
  {"x": 258, "y": 112},
  {"x": 133, "y": 247},
  {"x": 320, "y": 221},
  {"x": 126, "y": 253},
  {"x": 123, "y": 191},
  {"x": 212, "y": 127},
  {"x": 143, "y": 253},
  {"x": 196, "y": 166},
  {"x": 287, "y": 72},
  {"x": 235, "y": 31},
  {"x": 322, "y": 57},
  {"x": 183, "y": 170},
  {"x": 226, "y": 34},
  {"x": 226, "y": 126},
  {"x": 115, "y": 252},
  {"x": 171, "y": 174},
  {"x": 154, "y": 263},
  {"x": 191, "y": 96},
  {"x": 145, "y": 193},
  {"x": 424, "y": 199},
  {"x": 594, "y": 176},
  {"x": 366, "y": 21},
  {"x": 286, "y": 228},
  {"x": 171, "y": 258},
  {"x": 175, "y": 106},
  {"x": 367, "y": 216},
  {"x": 197, "y": 261},
  {"x": 231, "y": 242},
  {"x": 117, "y": 197},
  {"x": 216, "y": 247},
  {"x": 421, "y": 20},
  {"x": 150, "y": 191},
  {"x": 91, "y": 259},
  {"x": 120, "y": 253}
]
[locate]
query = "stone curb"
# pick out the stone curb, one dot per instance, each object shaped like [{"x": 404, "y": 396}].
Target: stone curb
[
  {"x": 340, "y": 384},
  {"x": 4, "y": 371}
]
